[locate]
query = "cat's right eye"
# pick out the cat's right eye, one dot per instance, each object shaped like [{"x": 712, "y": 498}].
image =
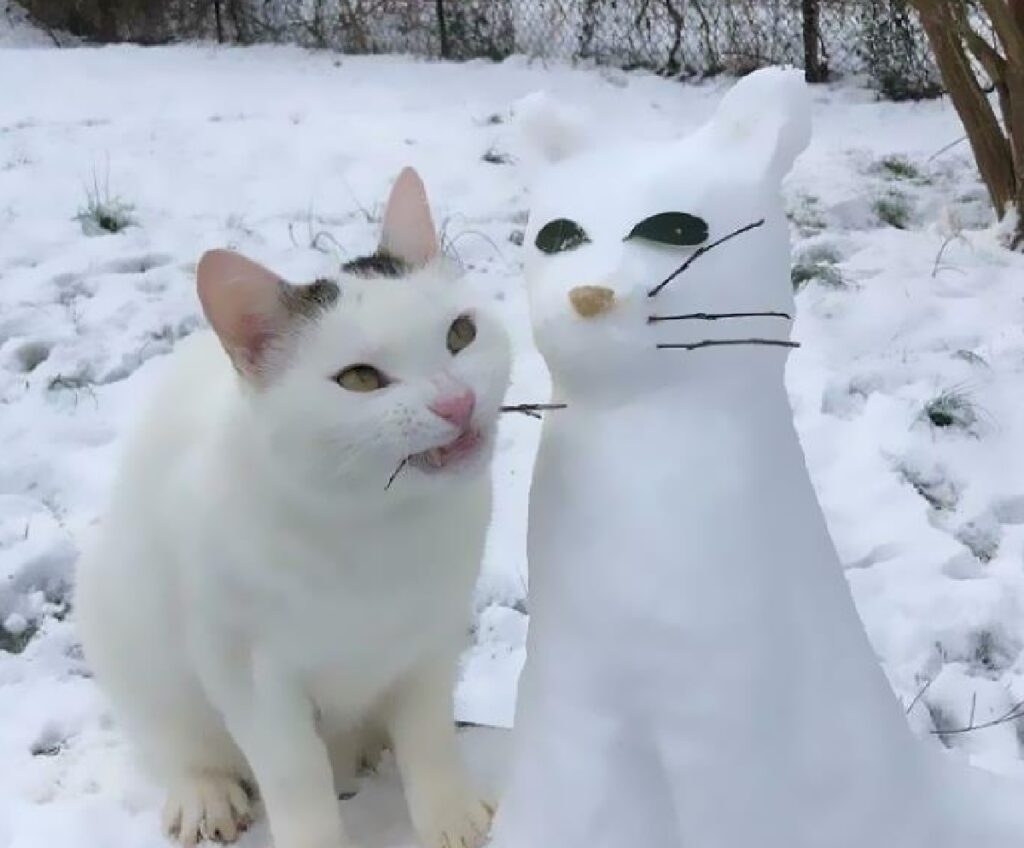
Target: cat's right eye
[
  {"x": 560, "y": 235},
  {"x": 361, "y": 378}
]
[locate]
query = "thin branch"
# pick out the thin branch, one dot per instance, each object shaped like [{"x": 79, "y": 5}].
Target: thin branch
[
  {"x": 1015, "y": 712},
  {"x": 721, "y": 342},
  {"x": 700, "y": 252},
  {"x": 920, "y": 694},
  {"x": 716, "y": 316},
  {"x": 938, "y": 266},
  {"x": 1005, "y": 27},
  {"x": 397, "y": 471},
  {"x": 946, "y": 147},
  {"x": 532, "y": 409},
  {"x": 986, "y": 54}
]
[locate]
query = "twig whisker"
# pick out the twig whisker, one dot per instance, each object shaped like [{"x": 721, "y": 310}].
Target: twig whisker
[
  {"x": 700, "y": 252},
  {"x": 724, "y": 342},
  {"x": 716, "y": 316},
  {"x": 396, "y": 472},
  {"x": 533, "y": 410}
]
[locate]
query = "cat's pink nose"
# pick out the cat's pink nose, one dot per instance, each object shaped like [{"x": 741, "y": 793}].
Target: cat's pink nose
[{"x": 455, "y": 408}]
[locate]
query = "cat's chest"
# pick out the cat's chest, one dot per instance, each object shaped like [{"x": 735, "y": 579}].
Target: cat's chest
[{"x": 356, "y": 598}]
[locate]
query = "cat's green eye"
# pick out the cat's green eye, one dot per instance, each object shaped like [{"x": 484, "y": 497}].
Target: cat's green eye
[
  {"x": 361, "y": 378},
  {"x": 461, "y": 334},
  {"x": 678, "y": 229},
  {"x": 560, "y": 235}
]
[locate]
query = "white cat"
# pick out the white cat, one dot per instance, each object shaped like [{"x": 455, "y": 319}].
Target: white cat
[{"x": 286, "y": 568}]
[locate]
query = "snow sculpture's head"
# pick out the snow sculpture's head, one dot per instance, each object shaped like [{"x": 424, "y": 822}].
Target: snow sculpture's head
[{"x": 608, "y": 226}]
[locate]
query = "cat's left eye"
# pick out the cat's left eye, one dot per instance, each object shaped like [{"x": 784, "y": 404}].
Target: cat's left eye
[
  {"x": 461, "y": 334},
  {"x": 361, "y": 378},
  {"x": 678, "y": 229},
  {"x": 560, "y": 235}
]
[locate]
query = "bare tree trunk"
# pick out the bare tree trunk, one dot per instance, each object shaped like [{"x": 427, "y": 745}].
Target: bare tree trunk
[
  {"x": 998, "y": 151},
  {"x": 220, "y": 21},
  {"x": 442, "y": 29},
  {"x": 814, "y": 71}
]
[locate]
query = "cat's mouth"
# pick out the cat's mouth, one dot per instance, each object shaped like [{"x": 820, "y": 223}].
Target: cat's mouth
[{"x": 466, "y": 445}]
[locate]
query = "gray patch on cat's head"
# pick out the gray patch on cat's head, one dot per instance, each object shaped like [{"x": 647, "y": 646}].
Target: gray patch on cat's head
[
  {"x": 379, "y": 264},
  {"x": 310, "y": 300}
]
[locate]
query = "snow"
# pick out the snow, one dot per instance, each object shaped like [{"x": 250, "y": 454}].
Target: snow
[
  {"x": 255, "y": 148},
  {"x": 694, "y": 651}
]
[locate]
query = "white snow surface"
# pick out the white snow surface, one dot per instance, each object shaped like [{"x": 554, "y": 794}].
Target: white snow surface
[{"x": 264, "y": 149}]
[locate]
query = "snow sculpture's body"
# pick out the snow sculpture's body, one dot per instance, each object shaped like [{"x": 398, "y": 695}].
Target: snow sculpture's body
[{"x": 697, "y": 672}]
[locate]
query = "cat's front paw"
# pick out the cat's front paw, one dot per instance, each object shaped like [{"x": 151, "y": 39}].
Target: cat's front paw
[
  {"x": 206, "y": 806},
  {"x": 455, "y": 823}
]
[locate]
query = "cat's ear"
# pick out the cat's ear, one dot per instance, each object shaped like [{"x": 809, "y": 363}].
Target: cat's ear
[
  {"x": 765, "y": 119},
  {"x": 408, "y": 232},
  {"x": 247, "y": 306},
  {"x": 552, "y": 130}
]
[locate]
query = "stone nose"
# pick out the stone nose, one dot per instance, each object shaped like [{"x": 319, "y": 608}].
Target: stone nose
[
  {"x": 590, "y": 301},
  {"x": 455, "y": 408}
]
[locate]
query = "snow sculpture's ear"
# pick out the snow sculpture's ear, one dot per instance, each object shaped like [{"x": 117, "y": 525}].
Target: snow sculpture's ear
[
  {"x": 553, "y": 130},
  {"x": 251, "y": 309},
  {"x": 408, "y": 232},
  {"x": 766, "y": 119}
]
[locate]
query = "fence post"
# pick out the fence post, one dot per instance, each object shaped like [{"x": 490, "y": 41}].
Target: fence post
[
  {"x": 814, "y": 71},
  {"x": 442, "y": 29},
  {"x": 220, "y": 21}
]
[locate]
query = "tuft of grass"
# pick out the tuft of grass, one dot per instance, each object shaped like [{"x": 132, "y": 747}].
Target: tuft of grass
[
  {"x": 818, "y": 263},
  {"x": 72, "y": 382},
  {"x": 805, "y": 213},
  {"x": 900, "y": 167},
  {"x": 319, "y": 240},
  {"x": 971, "y": 358},
  {"x": 50, "y": 743},
  {"x": 951, "y": 410},
  {"x": 893, "y": 209},
  {"x": 103, "y": 212},
  {"x": 990, "y": 651},
  {"x": 824, "y": 273},
  {"x": 941, "y": 493},
  {"x": 15, "y": 641},
  {"x": 493, "y": 156},
  {"x": 981, "y": 538}
]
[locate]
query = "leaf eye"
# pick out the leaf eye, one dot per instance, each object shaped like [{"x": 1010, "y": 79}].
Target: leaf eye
[
  {"x": 461, "y": 334},
  {"x": 361, "y": 378},
  {"x": 678, "y": 229},
  {"x": 560, "y": 235}
]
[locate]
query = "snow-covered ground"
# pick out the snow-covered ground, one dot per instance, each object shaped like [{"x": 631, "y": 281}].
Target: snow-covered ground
[{"x": 907, "y": 389}]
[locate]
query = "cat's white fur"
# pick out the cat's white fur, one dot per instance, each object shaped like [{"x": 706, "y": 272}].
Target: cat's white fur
[{"x": 260, "y": 605}]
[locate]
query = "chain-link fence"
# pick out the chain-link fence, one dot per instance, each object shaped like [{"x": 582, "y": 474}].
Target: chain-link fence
[{"x": 879, "y": 39}]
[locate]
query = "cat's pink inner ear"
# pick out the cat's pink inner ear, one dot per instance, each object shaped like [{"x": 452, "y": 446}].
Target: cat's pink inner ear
[
  {"x": 408, "y": 232},
  {"x": 242, "y": 302}
]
